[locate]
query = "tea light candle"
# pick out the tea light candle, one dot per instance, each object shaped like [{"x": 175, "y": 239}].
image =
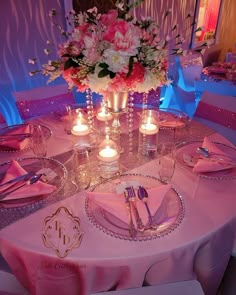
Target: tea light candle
[
  {"x": 108, "y": 154},
  {"x": 102, "y": 115},
  {"x": 80, "y": 129},
  {"x": 148, "y": 128}
]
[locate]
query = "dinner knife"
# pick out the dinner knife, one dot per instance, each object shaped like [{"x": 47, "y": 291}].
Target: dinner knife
[
  {"x": 20, "y": 136},
  {"x": 18, "y": 178}
]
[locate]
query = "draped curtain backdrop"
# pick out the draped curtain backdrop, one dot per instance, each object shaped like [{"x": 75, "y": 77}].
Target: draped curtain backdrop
[{"x": 26, "y": 26}]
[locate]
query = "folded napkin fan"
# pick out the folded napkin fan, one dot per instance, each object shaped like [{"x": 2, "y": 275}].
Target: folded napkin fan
[
  {"x": 35, "y": 189},
  {"x": 204, "y": 165},
  {"x": 115, "y": 203},
  {"x": 16, "y": 143}
]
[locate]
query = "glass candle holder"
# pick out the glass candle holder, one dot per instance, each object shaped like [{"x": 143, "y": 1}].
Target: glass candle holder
[
  {"x": 108, "y": 157},
  {"x": 80, "y": 125},
  {"x": 103, "y": 115},
  {"x": 148, "y": 132}
]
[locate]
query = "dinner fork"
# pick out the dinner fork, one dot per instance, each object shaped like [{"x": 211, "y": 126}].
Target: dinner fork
[{"x": 132, "y": 230}]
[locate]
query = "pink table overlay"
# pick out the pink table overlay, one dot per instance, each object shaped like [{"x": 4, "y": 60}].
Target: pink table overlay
[{"x": 199, "y": 248}]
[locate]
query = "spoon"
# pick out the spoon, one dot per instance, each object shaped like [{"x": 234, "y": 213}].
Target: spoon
[
  {"x": 143, "y": 196},
  {"x": 206, "y": 153}
]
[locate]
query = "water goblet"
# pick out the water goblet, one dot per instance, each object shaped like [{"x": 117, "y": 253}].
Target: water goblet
[{"x": 166, "y": 158}]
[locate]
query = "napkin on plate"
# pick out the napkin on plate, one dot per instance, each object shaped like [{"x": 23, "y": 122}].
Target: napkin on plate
[
  {"x": 16, "y": 143},
  {"x": 36, "y": 189},
  {"x": 115, "y": 203},
  {"x": 206, "y": 165},
  {"x": 171, "y": 123}
]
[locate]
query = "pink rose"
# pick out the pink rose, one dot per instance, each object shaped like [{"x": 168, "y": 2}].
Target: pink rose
[{"x": 109, "y": 18}]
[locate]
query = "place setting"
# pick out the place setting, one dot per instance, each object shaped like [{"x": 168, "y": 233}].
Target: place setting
[
  {"x": 212, "y": 160},
  {"x": 29, "y": 181},
  {"x": 22, "y": 137},
  {"x": 138, "y": 207}
]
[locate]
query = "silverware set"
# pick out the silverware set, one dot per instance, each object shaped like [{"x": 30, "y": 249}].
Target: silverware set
[
  {"x": 18, "y": 136},
  {"x": 212, "y": 156},
  {"x": 17, "y": 183},
  {"x": 131, "y": 199}
]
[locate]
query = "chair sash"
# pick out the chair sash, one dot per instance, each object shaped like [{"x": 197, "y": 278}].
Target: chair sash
[
  {"x": 189, "y": 69},
  {"x": 39, "y": 107},
  {"x": 216, "y": 114}
]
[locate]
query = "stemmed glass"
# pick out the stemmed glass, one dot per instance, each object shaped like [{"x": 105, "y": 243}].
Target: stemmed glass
[
  {"x": 167, "y": 157},
  {"x": 38, "y": 141}
]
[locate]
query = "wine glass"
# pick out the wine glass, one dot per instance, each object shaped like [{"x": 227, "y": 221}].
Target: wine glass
[
  {"x": 81, "y": 166},
  {"x": 38, "y": 141},
  {"x": 166, "y": 158}
]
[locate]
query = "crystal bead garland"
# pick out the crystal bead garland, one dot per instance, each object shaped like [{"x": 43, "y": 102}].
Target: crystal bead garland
[
  {"x": 90, "y": 111},
  {"x": 144, "y": 107},
  {"x": 89, "y": 103},
  {"x": 130, "y": 121}
]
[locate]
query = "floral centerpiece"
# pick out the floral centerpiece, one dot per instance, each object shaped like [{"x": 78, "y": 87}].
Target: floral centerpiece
[{"x": 111, "y": 52}]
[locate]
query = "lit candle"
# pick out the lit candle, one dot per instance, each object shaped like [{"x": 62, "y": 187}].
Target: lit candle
[
  {"x": 102, "y": 115},
  {"x": 148, "y": 128},
  {"x": 80, "y": 129},
  {"x": 108, "y": 154}
]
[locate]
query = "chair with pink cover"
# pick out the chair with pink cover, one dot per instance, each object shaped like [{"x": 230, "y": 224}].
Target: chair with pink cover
[
  {"x": 219, "y": 113},
  {"x": 9, "y": 285},
  {"x": 41, "y": 101}
]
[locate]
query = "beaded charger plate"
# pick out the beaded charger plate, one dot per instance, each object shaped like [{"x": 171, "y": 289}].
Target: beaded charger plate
[
  {"x": 28, "y": 144},
  {"x": 53, "y": 173},
  {"x": 168, "y": 217},
  {"x": 187, "y": 157},
  {"x": 171, "y": 118}
]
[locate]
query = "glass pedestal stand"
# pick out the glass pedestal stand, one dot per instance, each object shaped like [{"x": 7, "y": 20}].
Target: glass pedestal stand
[{"x": 116, "y": 103}]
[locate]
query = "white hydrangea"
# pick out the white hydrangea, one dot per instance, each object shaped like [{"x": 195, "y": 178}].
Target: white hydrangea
[{"x": 117, "y": 60}]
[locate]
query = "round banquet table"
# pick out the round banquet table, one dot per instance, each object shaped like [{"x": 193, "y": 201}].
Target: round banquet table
[{"x": 199, "y": 248}]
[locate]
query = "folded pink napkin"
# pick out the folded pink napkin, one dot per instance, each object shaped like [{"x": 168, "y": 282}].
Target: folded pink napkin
[
  {"x": 172, "y": 123},
  {"x": 115, "y": 203},
  {"x": 206, "y": 165},
  {"x": 36, "y": 189},
  {"x": 16, "y": 143},
  {"x": 216, "y": 69}
]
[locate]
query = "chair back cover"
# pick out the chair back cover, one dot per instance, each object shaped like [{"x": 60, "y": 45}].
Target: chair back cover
[
  {"x": 189, "y": 68},
  {"x": 41, "y": 101},
  {"x": 220, "y": 109}
]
